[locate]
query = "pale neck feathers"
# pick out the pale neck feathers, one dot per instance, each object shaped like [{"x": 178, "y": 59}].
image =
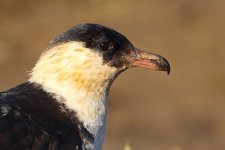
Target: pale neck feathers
[{"x": 77, "y": 75}]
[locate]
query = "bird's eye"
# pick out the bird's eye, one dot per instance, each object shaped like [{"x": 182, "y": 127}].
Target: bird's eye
[{"x": 106, "y": 46}]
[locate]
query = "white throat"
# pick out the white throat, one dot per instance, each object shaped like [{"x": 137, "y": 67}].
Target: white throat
[{"x": 77, "y": 75}]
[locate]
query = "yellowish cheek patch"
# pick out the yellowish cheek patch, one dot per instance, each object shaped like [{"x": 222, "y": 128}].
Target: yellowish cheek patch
[{"x": 75, "y": 65}]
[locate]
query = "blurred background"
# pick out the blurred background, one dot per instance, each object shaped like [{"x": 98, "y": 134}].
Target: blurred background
[{"x": 182, "y": 111}]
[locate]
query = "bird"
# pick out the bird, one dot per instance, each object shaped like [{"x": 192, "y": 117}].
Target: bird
[{"x": 63, "y": 104}]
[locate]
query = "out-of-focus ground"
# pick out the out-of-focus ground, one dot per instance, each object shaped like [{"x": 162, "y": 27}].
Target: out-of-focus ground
[{"x": 182, "y": 111}]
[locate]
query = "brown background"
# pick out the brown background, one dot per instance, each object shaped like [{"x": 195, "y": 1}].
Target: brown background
[{"x": 183, "y": 111}]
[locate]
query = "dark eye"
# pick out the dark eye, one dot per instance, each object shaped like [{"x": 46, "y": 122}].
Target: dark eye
[{"x": 106, "y": 46}]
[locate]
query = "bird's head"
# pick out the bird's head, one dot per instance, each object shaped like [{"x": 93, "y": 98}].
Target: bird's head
[
  {"x": 80, "y": 64},
  {"x": 90, "y": 56}
]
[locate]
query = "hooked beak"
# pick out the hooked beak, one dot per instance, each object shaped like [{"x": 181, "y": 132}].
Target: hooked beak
[{"x": 149, "y": 60}]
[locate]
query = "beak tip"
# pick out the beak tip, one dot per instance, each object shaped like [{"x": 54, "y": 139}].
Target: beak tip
[
  {"x": 166, "y": 65},
  {"x": 168, "y": 71}
]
